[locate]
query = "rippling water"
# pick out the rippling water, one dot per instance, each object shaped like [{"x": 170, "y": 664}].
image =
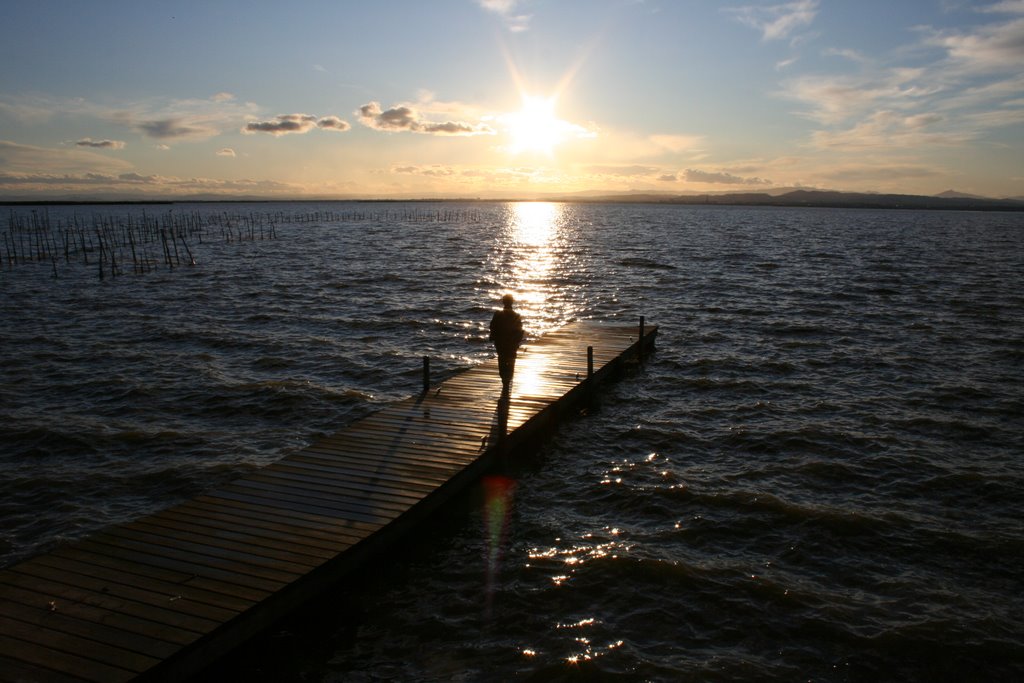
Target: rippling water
[{"x": 818, "y": 476}]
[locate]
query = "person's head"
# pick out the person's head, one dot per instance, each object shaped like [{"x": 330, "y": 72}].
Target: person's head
[{"x": 507, "y": 301}]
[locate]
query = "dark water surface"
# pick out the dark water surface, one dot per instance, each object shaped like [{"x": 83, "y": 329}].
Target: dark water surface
[{"x": 818, "y": 476}]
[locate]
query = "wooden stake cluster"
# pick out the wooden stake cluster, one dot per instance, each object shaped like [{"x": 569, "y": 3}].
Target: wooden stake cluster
[
  {"x": 413, "y": 214},
  {"x": 150, "y": 241},
  {"x": 111, "y": 242}
]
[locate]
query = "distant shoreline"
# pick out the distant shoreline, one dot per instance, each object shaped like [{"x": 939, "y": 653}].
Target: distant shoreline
[{"x": 797, "y": 198}]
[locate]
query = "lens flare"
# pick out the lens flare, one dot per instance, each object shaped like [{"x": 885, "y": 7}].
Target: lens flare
[{"x": 498, "y": 496}]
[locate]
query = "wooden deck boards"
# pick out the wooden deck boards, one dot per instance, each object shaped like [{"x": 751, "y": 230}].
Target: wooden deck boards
[{"x": 163, "y": 596}]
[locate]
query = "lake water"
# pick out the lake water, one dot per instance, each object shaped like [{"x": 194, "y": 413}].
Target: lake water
[{"x": 819, "y": 475}]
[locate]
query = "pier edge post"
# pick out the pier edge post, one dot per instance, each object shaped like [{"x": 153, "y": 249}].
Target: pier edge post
[{"x": 640, "y": 350}]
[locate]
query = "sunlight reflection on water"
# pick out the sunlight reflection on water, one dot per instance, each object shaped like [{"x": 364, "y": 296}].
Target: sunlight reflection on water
[{"x": 536, "y": 243}]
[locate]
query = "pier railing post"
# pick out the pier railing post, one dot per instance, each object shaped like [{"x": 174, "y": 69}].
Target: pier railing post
[
  {"x": 640, "y": 350},
  {"x": 590, "y": 363},
  {"x": 426, "y": 374}
]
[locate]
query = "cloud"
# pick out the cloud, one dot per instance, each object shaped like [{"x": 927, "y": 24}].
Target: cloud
[
  {"x": 886, "y": 130},
  {"x": 625, "y": 170},
  {"x": 100, "y": 144},
  {"x": 296, "y": 123},
  {"x": 175, "y": 120},
  {"x": 833, "y": 99},
  {"x": 922, "y": 120},
  {"x": 136, "y": 178},
  {"x": 333, "y": 123},
  {"x": 692, "y": 175},
  {"x": 506, "y": 9},
  {"x": 436, "y": 170},
  {"x": 134, "y": 184},
  {"x": 852, "y": 55},
  {"x": 1005, "y": 7},
  {"x": 226, "y": 152},
  {"x": 19, "y": 159},
  {"x": 964, "y": 83},
  {"x": 881, "y": 172},
  {"x": 996, "y": 119},
  {"x": 160, "y": 119},
  {"x": 985, "y": 49},
  {"x": 678, "y": 143},
  {"x": 777, "y": 22},
  {"x": 28, "y": 109},
  {"x": 175, "y": 129},
  {"x": 405, "y": 118},
  {"x": 282, "y": 125}
]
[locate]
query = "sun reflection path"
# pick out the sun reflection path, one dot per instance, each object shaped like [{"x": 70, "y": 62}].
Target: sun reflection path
[
  {"x": 535, "y": 222},
  {"x": 536, "y": 237}
]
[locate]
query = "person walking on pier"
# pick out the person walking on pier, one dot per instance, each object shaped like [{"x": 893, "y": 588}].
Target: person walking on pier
[{"x": 507, "y": 335}]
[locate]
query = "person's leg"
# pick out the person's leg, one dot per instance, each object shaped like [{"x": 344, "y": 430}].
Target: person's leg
[{"x": 506, "y": 364}]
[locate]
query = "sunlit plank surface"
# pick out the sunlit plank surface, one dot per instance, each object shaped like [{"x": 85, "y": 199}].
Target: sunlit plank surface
[{"x": 167, "y": 594}]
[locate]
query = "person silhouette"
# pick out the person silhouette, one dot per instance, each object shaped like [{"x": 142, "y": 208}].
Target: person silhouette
[{"x": 507, "y": 335}]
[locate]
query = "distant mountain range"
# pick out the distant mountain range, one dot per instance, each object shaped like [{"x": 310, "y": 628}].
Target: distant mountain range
[{"x": 949, "y": 199}]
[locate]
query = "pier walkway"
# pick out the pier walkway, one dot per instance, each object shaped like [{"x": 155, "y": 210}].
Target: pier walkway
[{"x": 164, "y": 596}]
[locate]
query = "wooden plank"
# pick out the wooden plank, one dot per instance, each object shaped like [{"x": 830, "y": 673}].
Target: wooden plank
[
  {"x": 310, "y": 524},
  {"x": 436, "y": 444},
  {"x": 23, "y": 672},
  {"x": 229, "y": 540},
  {"x": 120, "y": 577},
  {"x": 62, "y": 663},
  {"x": 330, "y": 487},
  {"x": 15, "y": 598},
  {"x": 90, "y": 648},
  {"x": 413, "y": 472},
  {"x": 336, "y": 485},
  {"x": 259, "y": 498},
  {"x": 59, "y": 621},
  {"x": 323, "y": 545},
  {"x": 223, "y": 575},
  {"x": 247, "y": 573},
  {"x": 298, "y": 501},
  {"x": 382, "y": 458},
  {"x": 60, "y": 594},
  {"x": 309, "y": 468},
  {"x": 343, "y": 525},
  {"x": 414, "y": 460},
  {"x": 336, "y": 500},
  {"x": 124, "y": 562},
  {"x": 390, "y": 450},
  {"x": 195, "y": 614},
  {"x": 257, "y": 563},
  {"x": 408, "y": 424}
]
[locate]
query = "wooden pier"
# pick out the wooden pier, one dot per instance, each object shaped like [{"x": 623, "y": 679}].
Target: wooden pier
[{"x": 164, "y": 596}]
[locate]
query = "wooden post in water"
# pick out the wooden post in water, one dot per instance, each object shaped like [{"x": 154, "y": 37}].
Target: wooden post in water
[
  {"x": 426, "y": 374},
  {"x": 640, "y": 350},
  {"x": 589, "y": 385}
]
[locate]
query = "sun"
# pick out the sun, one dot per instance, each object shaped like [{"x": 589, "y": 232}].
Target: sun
[{"x": 536, "y": 128}]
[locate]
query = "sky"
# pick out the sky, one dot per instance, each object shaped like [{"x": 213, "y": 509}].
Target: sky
[{"x": 509, "y": 98}]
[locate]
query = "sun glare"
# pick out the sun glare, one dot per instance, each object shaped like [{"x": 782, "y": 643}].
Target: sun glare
[{"x": 535, "y": 127}]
